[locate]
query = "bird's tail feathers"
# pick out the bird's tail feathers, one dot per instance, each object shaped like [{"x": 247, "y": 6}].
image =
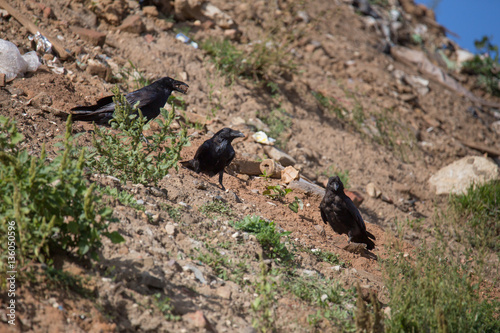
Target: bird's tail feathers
[
  {"x": 189, "y": 164},
  {"x": 370, "y": 245},
  {"x": 370, "y": 235}
]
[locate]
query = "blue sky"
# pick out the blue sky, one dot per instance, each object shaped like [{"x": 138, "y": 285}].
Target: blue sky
[{"x": 470, "y": 19}]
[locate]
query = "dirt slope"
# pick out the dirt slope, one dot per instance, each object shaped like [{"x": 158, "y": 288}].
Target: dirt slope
[{"x": 389, "y": 134}]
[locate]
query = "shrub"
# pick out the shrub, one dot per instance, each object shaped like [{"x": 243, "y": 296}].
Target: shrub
[
  {"x": 267, "y": 235},
  {"x": 125, "y": 155},
  {"x": 50, "y": 202}
]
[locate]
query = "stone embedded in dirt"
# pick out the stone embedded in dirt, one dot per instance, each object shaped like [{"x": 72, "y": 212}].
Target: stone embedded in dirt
[
  {"x": 48, "y": 13},
  {"x": 280, "y": 156},
  {"x": 496, "y": 126},
  {"x": 188, "y": 9},
  {"x": 220, "y": 18},
  {"x": 133, "y": 24},
  {"x": 232, "y": 34},
  {"x": 224, "y": 292},
  {"x": 174, "y": 265},
  {"x": 170, "y": 229},
  {"x": 150, "y": 11},
  {"x": 373, "y": 191},
  {"x": 94, "y": 37},
  {"x": 112, "y": 11},
  {"x": 207, "y": 25},
  {"x": 149, "y": 38},
  {"x": 158, "y": 192},
  {"x": 319, "y": 228},
  {"x": 197, "y": 319},
  {"x": 356, "y": 198},
  {"x": 95, "y": 67},
  {"x": 42, "y": 99},
  {"x": 197, "y": 273},
  {"x": 258, "y": 124},
  {"x": 164, "y": 25},
  {"x": 152, "y": 281},
  {"x": 458, "y": 176}
]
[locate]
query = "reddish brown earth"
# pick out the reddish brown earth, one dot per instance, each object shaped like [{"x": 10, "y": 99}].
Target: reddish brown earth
[{"x": 427, "y": 134}]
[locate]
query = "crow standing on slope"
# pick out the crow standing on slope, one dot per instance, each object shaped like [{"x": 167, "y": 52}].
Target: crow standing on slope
[
  {"x": 151, "y": 98},
  {"x": 214, "y": 154},
  {"x": 339, "y": 211}
]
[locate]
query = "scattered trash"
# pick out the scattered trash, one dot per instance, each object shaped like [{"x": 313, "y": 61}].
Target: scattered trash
[
  {"x": 43, "y": 45},
  {"x": 13, "y": 64},
  {"x": 186, "y": 40},
  {"x": 261, "y": 137}
]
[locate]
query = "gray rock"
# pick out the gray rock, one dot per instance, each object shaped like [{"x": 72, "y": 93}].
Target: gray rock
[
  {"x": 197, "y": 273},
  {"x": 280, "y": 156},
  {"x": 152, "y": 281},
  {"x": 459, "y": 175}
]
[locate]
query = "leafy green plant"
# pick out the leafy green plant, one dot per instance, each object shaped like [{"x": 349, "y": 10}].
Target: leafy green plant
[
  {"x": 479, "y": 211},
  {"x": 330, "y": 104},
  {"x": 326, "y": 256},
  {"x": 260, "y": 61},
  {"x": 296, "y": 205},
  {"x": 48, "y": 205},
  {"x": 124, "y": 197},
  {"x": 216, "y": 208},
  {"x": 267, "y": 235},
  {"x": 432, "y": 292},
  {"x": 276, "y": 192},
  {"x": 327, "y": 294},
  {"x": 262, "y": 307},
  {"x": 222, "y": 266},
  {"x": 163, "y": 304},
  {"x": 486, "y": 66},
  {"x": 131, "y": 72},
  {"x": 124, "y": 154}
]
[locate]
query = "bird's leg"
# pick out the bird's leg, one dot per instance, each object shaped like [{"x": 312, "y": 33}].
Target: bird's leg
[{"x": 220, "y": 180}]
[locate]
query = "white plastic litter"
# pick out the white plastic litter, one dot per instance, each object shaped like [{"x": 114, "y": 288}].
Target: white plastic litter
[
  {"x": 13, "y": 64},
  {"x": 42, "y": 43},
  {"x": 261, "y": 137}
]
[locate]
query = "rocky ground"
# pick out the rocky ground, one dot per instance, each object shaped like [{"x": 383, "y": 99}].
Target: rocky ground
[{"x": 384, "y": 121}]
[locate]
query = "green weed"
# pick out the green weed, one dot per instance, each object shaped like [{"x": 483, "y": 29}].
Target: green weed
[
  {"x": 267, "y": 235},
  {"x": 216, "y": 208},
  {"x": 296, "y": 205},
  {"x": 262, "y": 307},
  {"x": 48, "y": 205},
  {"x": 163, "y": 304},
  {"x": 431, "y": 292},
  {"x": 276, "y": 192},
  {"x": 479, "y": 211},
  {"x": 124, "y": 197},
  {"x": 330, "y": 104},
  {"x": 260, "y": 61},
  {"x": 124, "y": 154},
  {"x": 131, "y": 72},
  {"x": 485, "y": 66}
]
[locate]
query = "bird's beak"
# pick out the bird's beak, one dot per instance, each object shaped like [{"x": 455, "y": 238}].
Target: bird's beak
[
  {"x": 180, "y": 87},
  {"x": 335, "y": 186},
  {"x": 237, "y": 134}
]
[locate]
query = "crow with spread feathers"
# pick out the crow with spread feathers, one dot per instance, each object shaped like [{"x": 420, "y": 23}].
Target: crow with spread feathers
[
  {"x": 214, "y": 154},
  {"x": 151, "y": 98},
  {"x": 339, "y": 211}
]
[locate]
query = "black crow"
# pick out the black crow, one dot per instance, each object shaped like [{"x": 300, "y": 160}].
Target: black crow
[
  {"x": 339, "y": 211},
  {"x": 214, "y": 154},
  {"x": 151, "y": 98}
]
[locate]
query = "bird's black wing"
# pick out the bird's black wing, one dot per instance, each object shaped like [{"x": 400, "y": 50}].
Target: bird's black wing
[
  {"x": 143, "y": 96},
  {"x": 354, "y": 212},
  {"x": 99, "y": 104}
]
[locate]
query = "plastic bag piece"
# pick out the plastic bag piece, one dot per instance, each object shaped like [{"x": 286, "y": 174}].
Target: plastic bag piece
[{"x": 13, "y": 64}]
